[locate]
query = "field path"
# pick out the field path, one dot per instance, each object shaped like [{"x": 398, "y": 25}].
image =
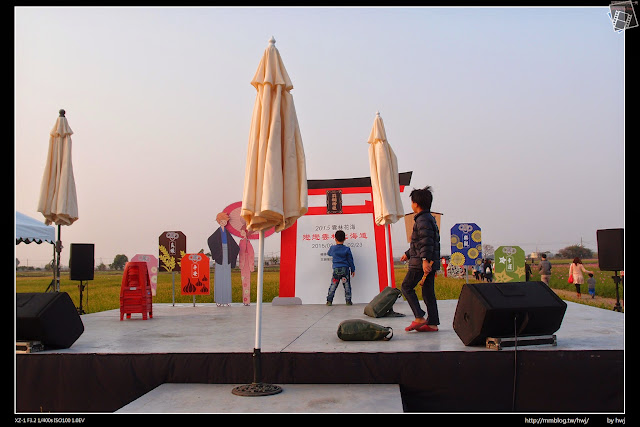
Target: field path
[{"x": 586, "y": 299}]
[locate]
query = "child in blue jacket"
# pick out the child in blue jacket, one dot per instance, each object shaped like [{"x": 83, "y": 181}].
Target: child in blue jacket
[{"x": 342, "y": 263}]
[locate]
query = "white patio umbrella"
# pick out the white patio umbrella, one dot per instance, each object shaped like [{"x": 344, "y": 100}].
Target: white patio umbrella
[
  {"x": 275, "y": 181},
  {"x": 385, "y": 183},
  {"x": 58, "y": 201}
]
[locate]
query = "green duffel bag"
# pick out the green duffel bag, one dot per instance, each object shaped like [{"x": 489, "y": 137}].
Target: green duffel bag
[
  {"x": 361, "y": 330},
  {"x": 382, "y": 304}
]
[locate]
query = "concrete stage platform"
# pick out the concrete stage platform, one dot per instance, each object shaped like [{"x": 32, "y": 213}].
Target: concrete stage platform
[
  {"x": 294, "y": 398},
  {"x": 126, "y": 366}
]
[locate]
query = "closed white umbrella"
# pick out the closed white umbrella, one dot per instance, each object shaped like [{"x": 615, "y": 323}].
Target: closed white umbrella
[
  {"x": 385, "y": 183},
  {"x": 58, "y": 201},
  {"x": 275, "y": 181}
]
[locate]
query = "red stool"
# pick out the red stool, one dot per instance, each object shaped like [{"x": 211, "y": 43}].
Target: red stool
[{"x": 135, "y": 291}]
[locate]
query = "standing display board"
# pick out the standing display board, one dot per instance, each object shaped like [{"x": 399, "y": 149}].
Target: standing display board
[
  {"x": 509, "y": 264},
  {"x": 408, "y": 223},
  {"x": 336, "y": 204},
  {"x": 195, "y": 275},
  {"x": 466, "y": 244},
  {"x": 172, "y": 247}
]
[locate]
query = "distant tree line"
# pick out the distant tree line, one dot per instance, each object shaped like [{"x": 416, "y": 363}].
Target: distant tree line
[
  {"x": 571, "y": 252},
  {"x": 120, "y": 260}
]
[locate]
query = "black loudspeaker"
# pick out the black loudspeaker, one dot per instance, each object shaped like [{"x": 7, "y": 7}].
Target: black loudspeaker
[
  {"x": 50, "y": 318},
  {"x": 81, "y": 262},
  {"x": 500, "y": 310},
  {"x": 611, "y": 249}
]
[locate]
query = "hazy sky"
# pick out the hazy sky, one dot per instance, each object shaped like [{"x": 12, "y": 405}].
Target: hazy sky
[{"x": 515, "y": 116}]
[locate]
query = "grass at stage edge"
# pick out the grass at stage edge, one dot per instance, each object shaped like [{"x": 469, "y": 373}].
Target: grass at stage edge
[{"x": 103, "y": 292}]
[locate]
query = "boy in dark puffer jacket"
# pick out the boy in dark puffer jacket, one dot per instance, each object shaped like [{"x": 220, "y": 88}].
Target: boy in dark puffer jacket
[{"x": 424, "y": 261}]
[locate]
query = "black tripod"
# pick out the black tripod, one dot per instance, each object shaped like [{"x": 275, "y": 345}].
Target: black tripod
[{"x": 617, "y": 280}]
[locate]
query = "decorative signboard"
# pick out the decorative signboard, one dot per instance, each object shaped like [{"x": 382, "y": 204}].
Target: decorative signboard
[
  {"x": 466, "y": 244},
  {"x": 152, "y": 268},
  {"x": 509, "y": 264},
  {"x": 173, "y": 246},
  {"x": 195, "y": 275},
  {"x": 305, "y": 267},
  {"x": 334, "y": 201}
]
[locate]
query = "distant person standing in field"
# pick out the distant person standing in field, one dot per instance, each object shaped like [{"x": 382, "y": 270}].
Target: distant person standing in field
[
  {"x": 545, "y": 270},
  {"x": 591, "y": 281},
  {"x": 488, "y": 271},
  {"x": 476, "y": 271},
  {"x": 577, "y": 270}
]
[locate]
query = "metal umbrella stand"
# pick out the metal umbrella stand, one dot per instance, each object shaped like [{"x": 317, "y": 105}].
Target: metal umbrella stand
[{"x": 257, "y": 387}]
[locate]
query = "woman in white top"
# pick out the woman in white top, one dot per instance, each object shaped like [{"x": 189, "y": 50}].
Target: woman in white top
[{"x": 577, "y": 270}]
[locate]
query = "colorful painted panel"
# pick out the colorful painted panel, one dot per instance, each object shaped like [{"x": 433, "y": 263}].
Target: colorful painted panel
[
  {"x": 509, "y": 264},
  {"x": 466, "y": 244},
  {"x": 195, "y": 275}
]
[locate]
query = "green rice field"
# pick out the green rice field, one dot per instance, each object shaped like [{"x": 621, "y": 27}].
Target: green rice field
[{"x": 103, "y": 293}]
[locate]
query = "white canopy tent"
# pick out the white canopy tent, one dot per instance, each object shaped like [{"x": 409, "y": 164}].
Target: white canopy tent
[{"x": 31, "y": 230}]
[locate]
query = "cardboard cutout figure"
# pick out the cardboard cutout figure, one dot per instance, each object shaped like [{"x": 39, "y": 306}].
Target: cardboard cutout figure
[
  {"x": 237, "y": 227},
  {"x": 246, "y": 261},
  {"x": 224, "y": 251}
]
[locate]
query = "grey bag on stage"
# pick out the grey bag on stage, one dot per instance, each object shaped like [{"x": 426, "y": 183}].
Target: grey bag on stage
[
  {"x": 361, "y": 330},
  {"x": 382, "y": 304}
]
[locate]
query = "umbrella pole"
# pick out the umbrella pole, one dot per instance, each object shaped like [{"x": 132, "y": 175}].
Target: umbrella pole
[
  {"x": 259, "y": 294},
  {"x": 58, "y": 250},
  {"x": 258, "y": 388},
  {"x": 54, "y": 263}
]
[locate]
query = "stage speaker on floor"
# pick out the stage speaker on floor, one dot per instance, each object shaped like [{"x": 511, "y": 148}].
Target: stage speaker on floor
[
  {"x": 611, "y": 249},
  {"x": 81, "y": 261},
  {"x": 500, "y": 310},
  {"x": 49, "y": 317}
]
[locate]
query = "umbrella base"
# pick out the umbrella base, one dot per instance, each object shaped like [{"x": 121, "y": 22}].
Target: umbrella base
[{"x": 256, "y": 389}]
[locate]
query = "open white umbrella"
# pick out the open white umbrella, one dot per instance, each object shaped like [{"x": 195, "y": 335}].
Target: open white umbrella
[
  {"x": 58, "y": 201},
  {"x": 275, "y": 181},
  {"x": 385, "y": 183}
]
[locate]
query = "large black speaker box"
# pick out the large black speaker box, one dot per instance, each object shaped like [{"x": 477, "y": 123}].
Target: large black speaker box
[
  {"x": 81, "y": 261},
  {"x": 49, "y": 317},
  {"x": 500, "y": 310},
  {"x": 611, "y": 249}
]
